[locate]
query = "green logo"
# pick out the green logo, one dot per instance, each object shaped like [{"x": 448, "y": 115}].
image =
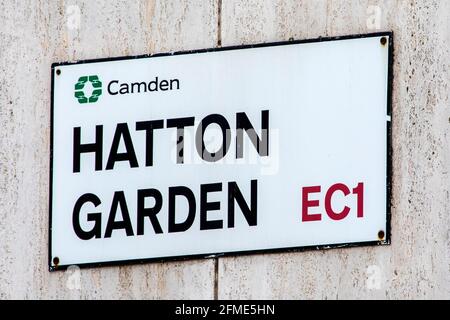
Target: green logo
[{"x": 96, "y": 93}]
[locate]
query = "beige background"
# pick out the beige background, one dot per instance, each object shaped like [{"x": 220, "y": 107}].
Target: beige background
[{"x": 35, "y": 33}]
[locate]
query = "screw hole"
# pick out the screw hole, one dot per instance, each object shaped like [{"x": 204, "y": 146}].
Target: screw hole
[
  {"x": 56, "y": 261},
  {"x": 383, "y": 41},
  {"x": 58, "y": 72},
  {"x": 381, "y": 235}
]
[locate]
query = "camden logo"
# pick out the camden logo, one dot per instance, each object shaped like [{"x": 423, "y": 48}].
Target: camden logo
[{"x": 80, "y": 89}]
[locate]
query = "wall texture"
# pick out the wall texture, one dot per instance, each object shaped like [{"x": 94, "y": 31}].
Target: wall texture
[{"x": 35, "y": 33}]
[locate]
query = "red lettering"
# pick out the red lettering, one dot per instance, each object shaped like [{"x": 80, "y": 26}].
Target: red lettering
[
  {"x": 359, "y": 191},
  {"x": 306, "y": 203},
  {"x": 331, "y": 213}
]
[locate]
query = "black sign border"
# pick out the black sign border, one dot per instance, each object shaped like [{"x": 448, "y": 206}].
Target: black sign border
[{"x": 385, "y": 241}]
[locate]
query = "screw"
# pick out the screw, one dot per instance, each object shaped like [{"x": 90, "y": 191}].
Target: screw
[
  {"x": 381, "y": 235},
  {"x": 383, "y": 41},
  {"x": 56, "y": 261},
  {"x": 58, "y": 72}
]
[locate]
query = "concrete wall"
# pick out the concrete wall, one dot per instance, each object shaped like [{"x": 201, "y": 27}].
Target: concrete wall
[{"x": 35, "y": 33}]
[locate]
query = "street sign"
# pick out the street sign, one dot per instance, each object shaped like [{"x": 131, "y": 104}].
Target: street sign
[{"x": 222, "y": 151}]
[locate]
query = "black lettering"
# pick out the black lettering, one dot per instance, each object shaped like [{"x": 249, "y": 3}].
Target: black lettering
[
  {"x": 235, "y": 195},
  {"x": 143, "y": 212},
  {"x": 180, "y": 124},
  {"x": 130, "y": 155},
  {"x": 119, "y": 200},
  {"x": 226, "y": 138},
  {"x": 138, "y": 85},
  {"x": 96, "y": 147},
  {"x": 113, "y": 93},
  {"x": 174, "y": 81},
  {"x": 187, "y": 193},
  {"x": 149, "y": 127},
  {"x": 96, "y": 231},
  {"x": 124, "y": 89},
  {"x": 243, "y": 124},
  {"x": 153, "y": 85},
  {"x": 206, "y": 206},
  {"x": 164, "y": 85}
]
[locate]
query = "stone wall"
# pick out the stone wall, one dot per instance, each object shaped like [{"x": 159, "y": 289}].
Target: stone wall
[{"x": 35, "y": 33}]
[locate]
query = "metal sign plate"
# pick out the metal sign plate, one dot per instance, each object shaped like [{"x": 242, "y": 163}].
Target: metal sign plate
[{"x": 234, "y": 150}]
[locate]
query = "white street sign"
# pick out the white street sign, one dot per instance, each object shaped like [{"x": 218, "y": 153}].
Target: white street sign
[{"x": 225, "y": 151}]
